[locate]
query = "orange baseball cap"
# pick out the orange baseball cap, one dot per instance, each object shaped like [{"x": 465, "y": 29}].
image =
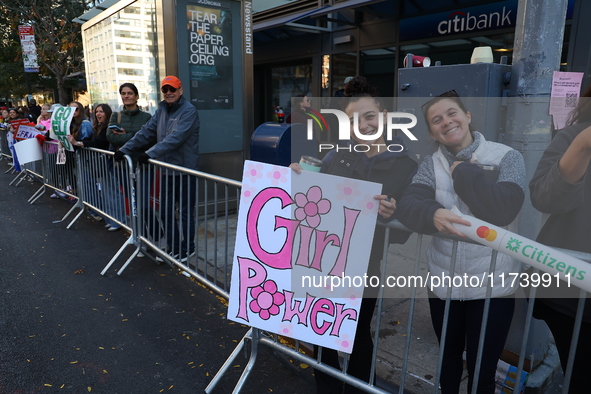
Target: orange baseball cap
[{"x": 173, "y": 81}]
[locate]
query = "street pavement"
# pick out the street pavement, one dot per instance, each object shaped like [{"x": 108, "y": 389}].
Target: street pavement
[{"x": 66, "y": 328}]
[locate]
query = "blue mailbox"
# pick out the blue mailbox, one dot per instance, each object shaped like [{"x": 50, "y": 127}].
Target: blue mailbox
[{"x": 281, "y": 143}]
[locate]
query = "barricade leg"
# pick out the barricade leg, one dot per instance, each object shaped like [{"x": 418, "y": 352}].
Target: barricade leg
[
  {"x": 37, "y": 195},
  {"x": 78, "y": 205},
  {"x": 254, "y": 352},
  {"x": 230, "y": 361},
  {"x": 126, "y": 244},
  {"x": 21, "y": 175}
]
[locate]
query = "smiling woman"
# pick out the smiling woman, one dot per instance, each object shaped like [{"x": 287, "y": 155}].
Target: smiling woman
[{"x": 455, "y": 176}]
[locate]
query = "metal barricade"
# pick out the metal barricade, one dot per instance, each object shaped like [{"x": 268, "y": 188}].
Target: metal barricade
[
  {"x": 60, "y": 177},
  {"x": 4, "y": 151},
  {"x": 257, "y": 337},
  {"x": 108, "y": 188},
  {"x": 186, "y": 218},
  {"x": 32, "y": 172}
]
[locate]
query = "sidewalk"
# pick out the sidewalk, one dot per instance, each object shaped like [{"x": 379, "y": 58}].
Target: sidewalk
[{"x": 66, "y": 328}]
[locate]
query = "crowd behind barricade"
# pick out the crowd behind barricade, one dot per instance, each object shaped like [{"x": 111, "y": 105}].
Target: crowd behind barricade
[{"x": 420, "y": 197}]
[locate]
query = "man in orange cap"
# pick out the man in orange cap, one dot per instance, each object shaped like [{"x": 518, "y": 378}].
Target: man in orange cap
[{"x": 172, "y": 136}]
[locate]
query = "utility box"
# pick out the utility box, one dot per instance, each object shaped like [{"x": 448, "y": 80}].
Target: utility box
[{"x": 481, "y": 86}]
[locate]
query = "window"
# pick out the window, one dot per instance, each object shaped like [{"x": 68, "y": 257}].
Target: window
[
  {"x": 130, "y": 59},
  {"x": 130, "y": 71},
  {"x": 128, "y": 47},
  {"x": 132, "y": 10},
  {"x": 128, "y": 34}
]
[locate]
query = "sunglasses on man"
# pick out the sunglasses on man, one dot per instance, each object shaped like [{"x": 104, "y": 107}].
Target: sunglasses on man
[{"x": 166, "y": 89}]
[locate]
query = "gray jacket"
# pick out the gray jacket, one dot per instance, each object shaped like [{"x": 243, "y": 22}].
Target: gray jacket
[{"x": 175, "y": 132}]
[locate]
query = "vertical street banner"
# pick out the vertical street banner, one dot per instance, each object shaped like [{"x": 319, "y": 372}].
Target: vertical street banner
[
  {"x": 303, "y": 243},
  {"x": 60, "y": 125},
  {"x": 27, "y": 35},
  {"x": 210, "y": 55}
]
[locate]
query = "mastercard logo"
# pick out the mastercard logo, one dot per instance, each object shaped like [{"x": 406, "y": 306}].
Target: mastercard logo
[{"x": 486, "y": 233}]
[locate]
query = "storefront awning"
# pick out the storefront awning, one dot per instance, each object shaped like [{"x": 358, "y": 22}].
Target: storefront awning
[
  {"x": 88, "y": 15},
  {"x": 349, "y": 4},
  {"x": 285, "y": 19},
  {"x": 290, "y": 20}
]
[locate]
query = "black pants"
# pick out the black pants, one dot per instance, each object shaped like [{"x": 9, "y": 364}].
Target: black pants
[
  {"x": 562, "y": 327},
  {"x": 463, "y": 331},
  {"x": 359, "y": 360}
]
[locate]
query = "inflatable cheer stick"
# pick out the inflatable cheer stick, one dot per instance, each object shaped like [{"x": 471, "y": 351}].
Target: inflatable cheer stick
[{"x": 527, "y": 251}]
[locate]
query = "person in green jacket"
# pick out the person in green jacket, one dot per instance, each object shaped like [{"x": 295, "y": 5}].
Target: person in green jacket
[{"x": 129, "y": 120}]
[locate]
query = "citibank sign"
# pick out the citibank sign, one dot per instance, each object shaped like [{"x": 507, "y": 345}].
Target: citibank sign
[
  {"x": 486, "y": 17},
  {"x": 459, "y": 21}
]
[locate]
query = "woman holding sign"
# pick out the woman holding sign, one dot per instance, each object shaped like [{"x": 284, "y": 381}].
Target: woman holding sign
[
  {"x": 394, "y": 170},
  {"x": 561, "y": 186},
  {"x": 80, "y": 128},
  {"x": 457, "y": 175}
]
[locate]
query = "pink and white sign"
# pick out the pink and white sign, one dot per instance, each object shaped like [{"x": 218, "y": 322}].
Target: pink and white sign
[{"x": 302, "y": 245}]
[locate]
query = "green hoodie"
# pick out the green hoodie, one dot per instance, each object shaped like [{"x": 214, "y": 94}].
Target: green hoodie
[{"x": 130, "y": 121}]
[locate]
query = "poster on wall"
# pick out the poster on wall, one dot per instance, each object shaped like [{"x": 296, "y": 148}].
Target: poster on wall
[
  {"x": 210, "y": 55},
  {"x": 303, "y": 242}
]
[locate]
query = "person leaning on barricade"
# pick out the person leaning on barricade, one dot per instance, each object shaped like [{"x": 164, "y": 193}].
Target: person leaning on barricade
[
  {"x": 125, "y": 123},
  {"x": 454, "y": 176},
  {"x": 104, "y": 179},
  {"x": 80, "y": 129},
  {"x": 394, "y": 170},
  {"x": 174, "y": 133},
  {"x": 561, "y": 186},
  {"x": 122, "y": 127}
]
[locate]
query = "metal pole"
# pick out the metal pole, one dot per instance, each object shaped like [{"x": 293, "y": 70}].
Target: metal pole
[
  {"x": 29, "y": 93},
  {"x": 536, "y": 55},
  {"x": 537, "y": 52}
]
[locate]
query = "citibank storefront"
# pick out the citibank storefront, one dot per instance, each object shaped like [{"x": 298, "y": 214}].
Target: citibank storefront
[{"x": 312, "y": 50}]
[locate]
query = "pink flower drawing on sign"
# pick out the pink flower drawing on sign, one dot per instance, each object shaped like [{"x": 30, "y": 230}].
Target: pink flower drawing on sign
[
  {"x": 248, "y": 192},
  {"x": 344, "y": 343},
  {"x": 278, "y": 175},
  {"x": 266, "y": 300},
  {"x": 353, "y": 300},
  {"x": 253, "y": 171},
  {"x": 286, "y": 329},
  {"x": 367, "y": 204},
  {"x": 348, "y": 190},
  {"x": 310, "y": 206}
]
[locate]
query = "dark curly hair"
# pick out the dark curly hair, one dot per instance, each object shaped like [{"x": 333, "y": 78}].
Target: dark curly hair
[{"x": 358, "y": 88}]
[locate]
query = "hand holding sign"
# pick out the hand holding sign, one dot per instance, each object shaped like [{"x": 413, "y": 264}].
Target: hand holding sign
[
  {"x": 26, "y": 132},
  {"x": 60, "y": 125}
]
